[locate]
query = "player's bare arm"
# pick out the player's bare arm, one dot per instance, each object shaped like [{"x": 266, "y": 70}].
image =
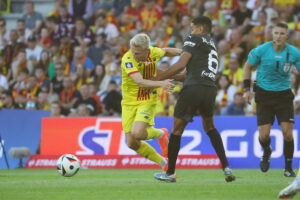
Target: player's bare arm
[
  {"x": 144, "y": 83},
  {"x": 175, "y": 68},
  {"x": 178, "y": 77},
  {"x": 247, "y": 81},
  {"x": 171, "y": 52}
]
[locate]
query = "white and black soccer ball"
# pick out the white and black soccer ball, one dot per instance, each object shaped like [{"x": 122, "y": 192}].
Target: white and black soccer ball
[{"x": 68, "y": 165}]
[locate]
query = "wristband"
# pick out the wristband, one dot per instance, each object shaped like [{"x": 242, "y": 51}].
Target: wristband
[{"x": 247, "y": 84}]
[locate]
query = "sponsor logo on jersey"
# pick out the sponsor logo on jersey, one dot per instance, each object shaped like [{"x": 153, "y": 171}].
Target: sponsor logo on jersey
[
  {"x": 129, "y": 65},
  {"x": 208, "y": 74},
  {"x": 189, "y": 43}
]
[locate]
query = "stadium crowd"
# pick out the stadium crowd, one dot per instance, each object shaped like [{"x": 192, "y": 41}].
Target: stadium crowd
[{"x": 69, "y": 61}]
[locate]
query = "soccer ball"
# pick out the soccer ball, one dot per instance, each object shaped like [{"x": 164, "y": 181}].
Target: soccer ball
[{"x": 68, "y": 165}]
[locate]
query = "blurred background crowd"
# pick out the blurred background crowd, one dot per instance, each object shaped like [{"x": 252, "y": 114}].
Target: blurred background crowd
[{"x": 68, "y": 60}]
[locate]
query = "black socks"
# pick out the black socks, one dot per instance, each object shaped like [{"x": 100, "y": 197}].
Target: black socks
[
  {"x": 217, "y": 143},
  {"x": 173, "y": 149}
]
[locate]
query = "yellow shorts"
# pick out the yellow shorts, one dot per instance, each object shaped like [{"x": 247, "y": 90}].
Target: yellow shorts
[{"x": 142, "y": 113}]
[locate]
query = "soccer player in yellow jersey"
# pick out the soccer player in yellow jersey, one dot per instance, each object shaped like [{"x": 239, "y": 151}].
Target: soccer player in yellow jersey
[{"x": 139, "y": 66}]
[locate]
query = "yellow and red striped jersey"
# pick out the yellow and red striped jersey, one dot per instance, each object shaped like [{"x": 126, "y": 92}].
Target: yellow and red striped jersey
[{"x": 131, "y": 92}]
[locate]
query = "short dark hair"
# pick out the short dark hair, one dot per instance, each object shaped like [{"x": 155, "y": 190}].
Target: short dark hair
[
  {"x": 203, "y": 21},
  {"x": 282, "y": 25}
]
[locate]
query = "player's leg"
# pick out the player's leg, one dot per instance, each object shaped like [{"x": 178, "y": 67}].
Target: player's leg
[
  {"x": 288, "y": 147},
  {"x": 292, "y": 189},
  {"x": 173, "y": 148},
  {"x": 182, "y": 117},
  {"x": 217, "y": 143},
  {"x": 136, "y": 131},
  {"x": 265, "y": 119},
  {"x": 285, "y": 116},
  {"x": 145, "y": 150}
]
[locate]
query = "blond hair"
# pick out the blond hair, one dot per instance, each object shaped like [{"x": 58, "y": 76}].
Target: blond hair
[{"x": 140, "y": 40}]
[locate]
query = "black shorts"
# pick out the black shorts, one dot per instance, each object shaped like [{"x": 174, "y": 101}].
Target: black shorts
[
  {"x": 195, "y": 100},
  {"x": 270, "y": 104}
]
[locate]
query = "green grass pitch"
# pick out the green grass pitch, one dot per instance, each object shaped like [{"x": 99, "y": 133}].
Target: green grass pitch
[{"x": 137, "y": 184}]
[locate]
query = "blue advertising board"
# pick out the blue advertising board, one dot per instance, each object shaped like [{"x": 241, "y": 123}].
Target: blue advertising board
[
  {"x": 240, "y": 138},
  {"x": 20, "y": 128}
]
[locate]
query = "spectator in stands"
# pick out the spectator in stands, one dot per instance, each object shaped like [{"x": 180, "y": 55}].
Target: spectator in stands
[
  {"x": 33, "y": 19},
  {"x": 80, "y": 76},
  {"x": 109, "y": 29},
  {"x": 95, "y": 52},
  {"x": 260, "y": 29},
  {"x": 83, "y": 110},
  {"x": 42, "y": 79},
  {"x": 33, "y": 50},
  {"x": 81, "y": 58},
  {"x": 7, "y": 100},
  {"x": 42, "y": 102},
  {"x": 237, "y": 107},
  {"x": 112, "y": 100},
  {"x": 56, "y": 30},
  {"x": 30, "y": 93},
  {"x": 69, "y": 95},
  {"x": 46, "y": 63},
  {"x": 225, "y": 93},
  {"x": 65, "y": 18},
  {"x": 150, "y": 15},
  {"x": 23, "y": 31},
  {"x": 20, "y": 84},
  {"x": 57, "y": 81},
  {"x": 81, "y": 8},
  {"x": 82, "y": 35},
  {"x": 184, "y": 28},
  {"x": 13, "y": 48},
  {"x": 238, "y": 47},
  {"x": 234, "y": 71},
  {"x": 66, "y": 47},
  {"x": 93, "y": 92},
  {"x": 4, "y": 34},
  {"x": 223, "y": 54},
  {"x": 86, "y": 98},
  {"x": 55, "y": 109},
  {"x": 119, "y": 6},
  {"x": 45, "y": 39},
  {"x": 162, "y": 39},
  {"x": 97, "y": 76},
  {"x": 21, "y": 63},
  {"x": 242, "y": 15}
]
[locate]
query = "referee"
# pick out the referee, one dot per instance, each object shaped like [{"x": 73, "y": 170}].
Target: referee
[{"x": 273, "y": 95}]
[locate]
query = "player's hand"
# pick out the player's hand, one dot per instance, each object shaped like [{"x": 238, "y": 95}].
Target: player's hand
[
  {"x": 248, "y": 95},
  {"x": 167, "y": 84}
]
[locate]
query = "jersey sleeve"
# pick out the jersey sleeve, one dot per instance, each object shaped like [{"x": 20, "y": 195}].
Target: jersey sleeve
[
  {"x": 129, "y": 66},
  {"x": 158, "y": 52},
  {"x": 189, "y": 44},
  {"x": 254, "y": 56},
  {"x": 297, "y": 62}
]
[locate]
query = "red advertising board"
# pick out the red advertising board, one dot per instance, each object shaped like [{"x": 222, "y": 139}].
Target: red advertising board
[
  {"x": 82, "y": 136},
  {"x": 126, "y": 162},
  {"x": 100, "y": 143}
]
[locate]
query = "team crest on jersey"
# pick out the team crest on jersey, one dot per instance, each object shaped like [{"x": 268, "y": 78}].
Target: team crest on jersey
[{"x": 129, "y": 65}]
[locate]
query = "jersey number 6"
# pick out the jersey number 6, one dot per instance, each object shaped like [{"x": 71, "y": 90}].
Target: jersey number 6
[{"x": 213, "y": 58}]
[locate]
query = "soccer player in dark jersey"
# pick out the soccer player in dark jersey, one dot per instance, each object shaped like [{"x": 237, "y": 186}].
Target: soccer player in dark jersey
[{"x": 198, "y": 95}]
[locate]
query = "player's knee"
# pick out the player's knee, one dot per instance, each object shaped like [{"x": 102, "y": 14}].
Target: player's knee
[
  {"x": 138, "y": 135},
  {"x": 177, "y": 132},
  {"x": 132, "y": 144},
  {"x": 288, "y": 135}
]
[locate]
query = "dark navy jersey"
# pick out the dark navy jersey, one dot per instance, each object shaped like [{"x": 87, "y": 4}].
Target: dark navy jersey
[{"x": 203, "y": 65}]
